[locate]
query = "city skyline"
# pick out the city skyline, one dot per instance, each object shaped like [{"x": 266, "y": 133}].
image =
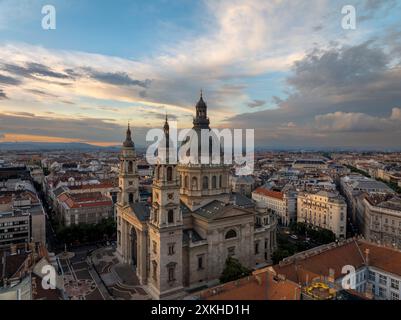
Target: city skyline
[{"x": 284, "y": 68}]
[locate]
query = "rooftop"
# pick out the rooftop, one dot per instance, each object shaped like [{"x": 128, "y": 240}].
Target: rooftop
[
  {"x": 261, "y": 285},
  {"x": 304, "y": 267},
  {"x": 270, "y": 193}
]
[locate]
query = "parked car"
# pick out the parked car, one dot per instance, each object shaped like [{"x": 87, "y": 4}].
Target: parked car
[{"x": 293, "y": 236}]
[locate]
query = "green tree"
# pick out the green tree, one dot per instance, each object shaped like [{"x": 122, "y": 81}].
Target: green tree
[
  {"x": 233, "y": 270},
  {"x": 279, "y": 255}
]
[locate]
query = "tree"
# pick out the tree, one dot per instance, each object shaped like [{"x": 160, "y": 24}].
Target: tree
[
  {"x": 233, "y": 270},
  {"x": 82, "y": 233},
  {"x": 279, "y": 255}
]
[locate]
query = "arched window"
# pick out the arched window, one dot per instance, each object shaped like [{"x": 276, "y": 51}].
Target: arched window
[
  {"x": 130, "y": 167},
  {"x": 221, "y": 181},
  {"x": 186, "y": 182},
  {"x": 231, "y": 234},
  {"x": 194, "y": 183},
  {"x": 205, "y": 184},
  {"x": 169, "y": 173},
  {"x": 214, "y": 182},
  {"x": 170, "y": 216},
  {"x": 131, "y": 198}
]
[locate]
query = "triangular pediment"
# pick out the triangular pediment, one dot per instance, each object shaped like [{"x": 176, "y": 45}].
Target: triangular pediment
[
  {"x": 231, "y": 212},
  {"x": 218, "y": 210}
]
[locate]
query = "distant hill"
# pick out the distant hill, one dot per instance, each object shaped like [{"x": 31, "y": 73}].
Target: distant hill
[{"x": 35, "y": 146}]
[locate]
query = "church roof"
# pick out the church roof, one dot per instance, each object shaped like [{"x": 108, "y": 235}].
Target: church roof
[
  {"x": 201, "y": 121},
  {"x": 128, "y": 143},
  {"x": 191, "y": 234},
  {"x": 141, "y": 210},
  {"x": 211, "y": 209},
  {"x": 242, "y": 201}
]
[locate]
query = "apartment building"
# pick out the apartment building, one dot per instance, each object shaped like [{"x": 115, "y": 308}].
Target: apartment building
[
  {"x": 323, "y": 209},
  {"x": 88, "y": 208},
  {"x": 282, "y": 204},
  {"x": 353, "y": 186},
  {"x": 381, "y": 218},
  {"x": 377, "y": 268}
]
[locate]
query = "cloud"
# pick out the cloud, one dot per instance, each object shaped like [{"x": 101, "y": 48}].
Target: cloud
[
  {"x": 340, "y": 89},
  {"x": 240, "y": 44},
  {"x": 358, "y": 122},
  {"x": 81, "y": 128},
  {"x": 8, "y": 80},
  {"x": 2, "y": 94},
  {"x": 117, "y": 78},
  {"x": 32, "y": 69},
  {"x": 256, "y": 103},
  {"x": 23, "y": 114},
  {"x": 42, "y": 93}
]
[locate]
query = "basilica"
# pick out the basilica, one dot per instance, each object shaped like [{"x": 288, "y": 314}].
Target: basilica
[{"x": 180, "y": 240}]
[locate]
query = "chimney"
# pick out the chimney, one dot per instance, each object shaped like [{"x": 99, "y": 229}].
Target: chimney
[{"x": 367, "y": 252}]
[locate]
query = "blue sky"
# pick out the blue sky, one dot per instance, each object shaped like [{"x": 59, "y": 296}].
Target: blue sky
[{"x": 276, "y": 66}]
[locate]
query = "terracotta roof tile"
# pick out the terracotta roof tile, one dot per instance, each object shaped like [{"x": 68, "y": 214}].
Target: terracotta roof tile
[{"x": 270, "y": 193}]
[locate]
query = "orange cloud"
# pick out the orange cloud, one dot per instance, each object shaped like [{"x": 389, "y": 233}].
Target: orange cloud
[{"x": 15, "y": 137}]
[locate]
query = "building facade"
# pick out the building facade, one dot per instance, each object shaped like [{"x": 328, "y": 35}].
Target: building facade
[
  {"x": 182, "y": 237},
  {"x": 323, "y": 210},
  {"x": 84, "y": 208},
  {"x": 382, "y": 219},
  {"x": 283, "y": 204}
]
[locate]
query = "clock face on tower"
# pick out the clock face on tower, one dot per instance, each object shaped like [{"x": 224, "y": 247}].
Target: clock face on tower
[{"x": 170, "y": 196}]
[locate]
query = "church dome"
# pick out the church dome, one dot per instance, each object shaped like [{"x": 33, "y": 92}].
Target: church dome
[
  {"x": 208, "y": 139},
  {"x": 195, "y": 137}
]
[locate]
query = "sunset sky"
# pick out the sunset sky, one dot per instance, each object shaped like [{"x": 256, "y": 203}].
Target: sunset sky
[{"x": 285, "y": 68}]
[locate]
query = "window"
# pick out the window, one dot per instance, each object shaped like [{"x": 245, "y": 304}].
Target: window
[
  {"x": 220, "y": 181},
  {"x": 382, "y": 279},
  {"x": 194, "y": 183},
  {"x": 395, "y": 284},
  {"x": 231, "y": 251},
  {"x": 131, "y": 198},
  {"x": 382, "y": 292},
  {"x": 205, "y": 184},
  {"x": 170, "y": 216},
  {"x": 231, "y": 234},
  {"x": 154, "y": 273},
  {"x": 214, "y": 182},
  {"x": 372, "y": 276},
  {"x": 171, "y": 273},
  {"x": 200, "y": 262},
  {"x": 257, "y": 247},
  {"x": 130, "y": 167},
  {"x": 395, "y": 296},
  {"x": 169, "y": 174},
  {"x": 171, "y": 249}
]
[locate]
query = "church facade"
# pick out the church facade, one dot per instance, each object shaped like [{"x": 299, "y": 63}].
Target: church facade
[{"x": 182, "y": 239}]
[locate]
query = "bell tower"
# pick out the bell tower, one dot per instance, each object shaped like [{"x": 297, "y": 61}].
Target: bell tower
[
  {"x": 166, "y": 225},
  {"x": 128, "y": 175}
]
